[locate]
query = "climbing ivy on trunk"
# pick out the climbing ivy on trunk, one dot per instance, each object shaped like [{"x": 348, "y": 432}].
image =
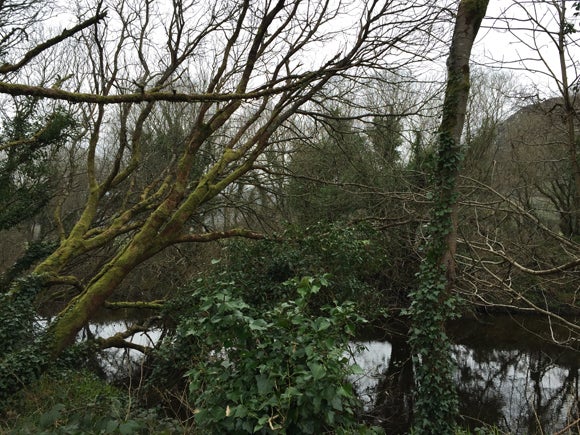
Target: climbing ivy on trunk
[{"x": 433, "y": 303}]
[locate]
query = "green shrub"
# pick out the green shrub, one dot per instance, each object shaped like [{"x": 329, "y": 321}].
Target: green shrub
[
  {"x": 68, "y": 402},
  {"x": 22, "y": 354},
  {"x": 353, "y": 255},
  {"x": 279, "y": 370}
]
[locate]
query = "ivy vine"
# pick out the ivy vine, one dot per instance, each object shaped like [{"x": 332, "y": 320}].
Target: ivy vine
[
  {"x": 22, "y": 355},
  {"x": 436, "y": 403}
]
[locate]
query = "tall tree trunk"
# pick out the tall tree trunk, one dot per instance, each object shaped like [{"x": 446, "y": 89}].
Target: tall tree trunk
[
  {"x": 435, "y": 407},
  {"x": 570, "y": 117}
]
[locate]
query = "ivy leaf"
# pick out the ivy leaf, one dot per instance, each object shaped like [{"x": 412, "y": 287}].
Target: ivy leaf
[
  {"x": 49, "y": 418},
  {"x": 321, "y": 324},
  {"x": 356, "y": 370},
  {"x": 258, "y": 325},
  {"x": 318, "y": 371},
  {"x": 265, "y": 384}
]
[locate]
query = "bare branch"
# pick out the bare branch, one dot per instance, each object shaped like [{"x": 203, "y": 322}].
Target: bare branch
[
  {"x": 66, "y": 33},
  {"x": 218, "y": 235},
  {"x": 157, "y": 304}
]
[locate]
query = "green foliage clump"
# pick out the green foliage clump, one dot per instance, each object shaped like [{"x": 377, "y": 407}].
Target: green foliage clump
[
  {"x": 338, "y": 158},
  {"x": 77, "y": 402},
  {"x": 21, "y": 355},
  {"x": 352, "y": 255},
  {"x": 17, "y": 313},
  {"x": 27, "y": 170},
  {"x": 436, "y": 402},
  {"x": 276, "y": 370}
]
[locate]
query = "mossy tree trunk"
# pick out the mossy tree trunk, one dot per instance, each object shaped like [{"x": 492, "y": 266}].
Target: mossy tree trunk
[{"x": 435, "y": 406}]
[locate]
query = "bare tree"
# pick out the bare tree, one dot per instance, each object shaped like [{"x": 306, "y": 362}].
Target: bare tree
[
  {"x": 241, "y": 70},
  {"x": 546, "y": 33},
  {"x": 520, "y": 237}
]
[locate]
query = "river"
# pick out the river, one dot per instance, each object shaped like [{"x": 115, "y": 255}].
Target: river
[{"x": 508, "y": 374}]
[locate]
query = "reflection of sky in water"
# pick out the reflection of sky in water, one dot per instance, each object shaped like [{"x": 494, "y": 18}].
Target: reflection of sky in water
[
  {"x": 526, "y": 387},
  {"x": 373, "y": 358},
  {"x": 523, "y": 386},
  {"x": 530, "y": 386},
  {"x": 116, "y": 362}
]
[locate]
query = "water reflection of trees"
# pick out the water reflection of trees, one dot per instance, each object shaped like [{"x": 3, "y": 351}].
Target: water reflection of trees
[
  {"x": 520, "y": 391},
  {"x": 522, "y": 387},
  {"x": 477, "y": 384},
  {"x": 394, "y": 403}
]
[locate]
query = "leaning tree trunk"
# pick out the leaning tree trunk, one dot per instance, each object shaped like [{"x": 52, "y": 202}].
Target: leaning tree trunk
[{"x": 435, "y": 407}]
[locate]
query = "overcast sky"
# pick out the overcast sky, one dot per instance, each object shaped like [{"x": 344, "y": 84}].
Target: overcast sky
[{"x": 497, "y": 47}]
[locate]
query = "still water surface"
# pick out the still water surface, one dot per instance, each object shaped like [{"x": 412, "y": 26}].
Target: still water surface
[{"x": 507, "y": 375}]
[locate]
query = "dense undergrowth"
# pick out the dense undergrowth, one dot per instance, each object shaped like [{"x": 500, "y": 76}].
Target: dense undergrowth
[
  {"x": 246, "y": 370},
  {"x": 247, "y": 334},
  {"x": 254, "y": 370},
  {"x": 257, "y": 344},
  {"x": 78, "y": 402}
]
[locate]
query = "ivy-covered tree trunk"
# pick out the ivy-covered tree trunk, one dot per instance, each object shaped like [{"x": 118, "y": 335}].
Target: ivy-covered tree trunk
[{"x": 436, "y": 407}]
